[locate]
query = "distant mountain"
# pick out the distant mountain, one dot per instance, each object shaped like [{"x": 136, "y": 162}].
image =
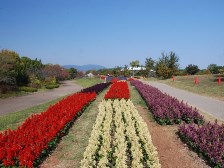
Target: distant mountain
[{"x": 85, "y": 67}]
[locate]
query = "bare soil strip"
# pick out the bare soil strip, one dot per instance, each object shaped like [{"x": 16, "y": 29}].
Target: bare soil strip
[{"x": 172, "y": 152}]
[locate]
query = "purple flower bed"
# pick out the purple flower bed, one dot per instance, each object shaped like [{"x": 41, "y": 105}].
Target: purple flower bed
[
  {"x": 166, "y": 109},
  {"x": 96, "y": 88},
  {"x": 207, "y": 140}
]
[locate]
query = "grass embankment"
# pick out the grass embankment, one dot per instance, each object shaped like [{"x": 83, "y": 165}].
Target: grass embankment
[
  {"x": 12, "y": 94},
  {"x": 13, "y": 120},
  {"x": 207, "y": 86},
  {"x": 87, "y": 82}
]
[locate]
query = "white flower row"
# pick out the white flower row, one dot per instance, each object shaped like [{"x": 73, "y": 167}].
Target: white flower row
[
  {"x": 135, "y": 120},
  {"x": 100, "y": 132},
  {"x": 122, "y": 118}
]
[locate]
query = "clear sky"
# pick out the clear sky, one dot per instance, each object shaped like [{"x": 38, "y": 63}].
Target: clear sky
[{"x": 114, "y": 32}]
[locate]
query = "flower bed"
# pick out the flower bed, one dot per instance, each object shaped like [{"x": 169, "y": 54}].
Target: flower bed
[
  {"x": 96, "y": 88},
  {"x": 118, "y": 90},
  {"x": 120, "y": 138},
  {"x": 167, "y": 109},
  {"x": 207, "y": 140},
  {"x": 26, "y": 146}
]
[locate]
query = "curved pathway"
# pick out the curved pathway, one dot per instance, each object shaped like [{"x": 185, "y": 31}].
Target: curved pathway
[
  {"x": 205, "y": 104},
  {"x": 22, "y": 102}
]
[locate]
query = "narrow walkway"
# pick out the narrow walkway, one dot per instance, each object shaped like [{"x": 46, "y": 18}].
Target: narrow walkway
[
  {"x": 19, "y": 103},
  {"x": 205, "y": 104}
]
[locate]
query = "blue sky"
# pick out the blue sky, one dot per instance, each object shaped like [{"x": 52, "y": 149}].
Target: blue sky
[{"x": 114, "y": 32}]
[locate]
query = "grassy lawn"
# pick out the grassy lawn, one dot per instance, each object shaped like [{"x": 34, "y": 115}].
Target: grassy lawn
[
  {"x": 87, "y": 82},
  {"x": 139, "y": 102},
  {"x": 207, "y": 85},
  {"x": 13, "y": 120}
]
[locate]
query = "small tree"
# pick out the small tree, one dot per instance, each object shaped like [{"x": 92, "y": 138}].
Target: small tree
[
  {"x": 149, "y": 65},
  {"x": 192, "y": 69},
  {"x": 162, "y": 70},
  {"x": 173, "y": 63}
]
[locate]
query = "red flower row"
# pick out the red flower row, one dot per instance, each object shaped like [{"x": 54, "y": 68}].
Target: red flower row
[
  {"x": 22, "y": 146},
  {"x": 118, "y": 90}
]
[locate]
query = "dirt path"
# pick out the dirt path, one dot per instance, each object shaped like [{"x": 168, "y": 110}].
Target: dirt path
[
  {"x": 205, "y": 104},
  {"x": 19, "y": 103},
  {"x": 172, "y": 152}
]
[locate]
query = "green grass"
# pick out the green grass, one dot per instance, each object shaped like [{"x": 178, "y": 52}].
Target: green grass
[
  {"x": 139, "y": 102},
  {"x": 87, "y": 82},
  {"x": 12, "y": 94},
  {"x": 207, "y": 85},
  {"x": 13, "y": 120}
]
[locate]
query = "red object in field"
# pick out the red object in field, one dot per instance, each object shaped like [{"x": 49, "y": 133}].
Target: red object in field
[
  {"x": 219, "y": 80},
  {"x": 173, "y": 78},
  {"x": 196, "y": 81}
]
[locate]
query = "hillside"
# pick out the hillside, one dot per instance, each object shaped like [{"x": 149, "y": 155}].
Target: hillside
[{"x": 85, "y": 67}]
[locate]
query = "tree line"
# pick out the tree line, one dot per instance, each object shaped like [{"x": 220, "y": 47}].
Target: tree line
[
  {"x": 17, "y": 71},
  {"x": 165, "y": 67}
]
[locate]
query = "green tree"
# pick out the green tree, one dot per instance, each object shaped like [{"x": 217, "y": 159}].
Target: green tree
[
  {"x": 126, "y": 72},
  {"x": 213, "y": 68},
  {"x": 149, "y": 64},
  {"x": 117, "y": 71},
  {"x": 134, "y": 64},
  {"x": 29, "y": 70},
  {"x": 73, "y": 72},
  {"x": 192, "y": 69},
  {"x": 173, "y": 63},
  {"x": 162, "y": 69},
  {"x": 167, "y": 65},
  {"x": 9, "y": 67}
]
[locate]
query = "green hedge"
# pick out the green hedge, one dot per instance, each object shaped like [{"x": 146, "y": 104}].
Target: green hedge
[{"x": 52, "y": 86}]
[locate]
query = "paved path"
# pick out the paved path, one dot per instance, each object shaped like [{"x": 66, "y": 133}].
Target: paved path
[
  {"x": 22, "y": 102},
  {"x": 205, "y": 104}
]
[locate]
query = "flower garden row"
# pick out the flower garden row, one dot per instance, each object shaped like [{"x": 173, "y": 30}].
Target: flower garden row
[
  {"x": 32, "y": 141},
  {"x": 118, "y": 90},
  {"x": 166, "y": 109},
  {"x": 206, "y": 139},
  {"x": 119, "y": 138}
]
